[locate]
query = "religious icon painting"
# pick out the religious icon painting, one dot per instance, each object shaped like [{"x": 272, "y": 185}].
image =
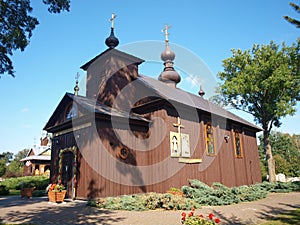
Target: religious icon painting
[
  {"x": 185, "y": 145},
  {"x": 175, "y": 144}
]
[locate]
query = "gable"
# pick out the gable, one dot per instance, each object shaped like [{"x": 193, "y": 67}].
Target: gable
[{"x": 84, "y": 107}]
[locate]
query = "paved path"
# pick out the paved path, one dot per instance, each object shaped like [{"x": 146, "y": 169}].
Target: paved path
[{"x": 38, "y": 210}]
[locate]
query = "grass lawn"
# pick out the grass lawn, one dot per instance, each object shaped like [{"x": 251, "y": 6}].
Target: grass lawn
[{"x": 292, "y": 217}]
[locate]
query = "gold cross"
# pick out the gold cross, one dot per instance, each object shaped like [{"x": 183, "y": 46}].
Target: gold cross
[
  {"x": 178, "y": 125},
  {"x": 166, "y": 31},
  {"x": 112, "y": 20}
]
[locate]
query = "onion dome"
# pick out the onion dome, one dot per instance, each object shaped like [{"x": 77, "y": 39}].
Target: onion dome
[
  {"x": 112, "y": 41},
  {"x": 76, "y": 88},
  {"x": 169, "y": 75},
  {"x": 167, "y": 54},
  {"x": 201, "y": 92}
]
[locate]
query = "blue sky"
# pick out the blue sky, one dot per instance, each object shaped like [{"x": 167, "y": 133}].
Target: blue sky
[{"x": 62, "y": 43}]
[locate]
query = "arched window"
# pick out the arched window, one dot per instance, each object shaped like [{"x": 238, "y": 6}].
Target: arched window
[
  {"x": 237, "y": 143},
  {"x": 210, "y": 139}
]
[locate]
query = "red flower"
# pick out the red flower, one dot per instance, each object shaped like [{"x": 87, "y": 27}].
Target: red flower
[
  {"x": 211, "y": 216},
  {"x": 191, "y": 214},
  {"x": 193, "y": 209},
  {"x": 217, "y": 220},
  {"x": 201, "y": 216},
  {"x": 183, "y": 218},
  {"x": 183, "y": 214}
]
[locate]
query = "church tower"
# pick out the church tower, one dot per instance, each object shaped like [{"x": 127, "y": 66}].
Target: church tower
[{"x": 110, "y": 71}]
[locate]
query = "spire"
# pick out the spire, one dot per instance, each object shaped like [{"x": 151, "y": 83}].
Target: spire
[
  {"x": 169, "y": 75},
  {"x": 201, "y": 92},
  {"x": 76, "y": 88},
  {"x": 112, "y": 41}
]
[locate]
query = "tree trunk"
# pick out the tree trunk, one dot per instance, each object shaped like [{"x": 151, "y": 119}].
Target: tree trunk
[{"x": 269, "y": 157}]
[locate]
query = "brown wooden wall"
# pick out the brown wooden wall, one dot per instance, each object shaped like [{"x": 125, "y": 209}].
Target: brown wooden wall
[{"x": 101, "y": 170}]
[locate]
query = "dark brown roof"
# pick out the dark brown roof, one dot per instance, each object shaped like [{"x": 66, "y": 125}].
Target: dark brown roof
[
  {"x": 95, "y": 106},
  {"x": 117, "y": 54},
  {"x": 191, "y": 100},
  {"x": 92, "y": 106}
]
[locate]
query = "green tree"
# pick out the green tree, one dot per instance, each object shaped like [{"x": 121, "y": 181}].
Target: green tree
[
  {"x": 264, "y": 82},
  {"x": 7, "y": 156},
  {"x": 291, "y": 20},
  {"x": 2, "y": 167},
  {"x": 281, "y": 165},
  {"x": 15, "y": 167},
  {"x": 16, "y": 26},
  {"x": 285, "y": 152}
]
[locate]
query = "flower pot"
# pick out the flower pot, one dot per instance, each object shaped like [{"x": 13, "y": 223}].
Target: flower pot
[
  {"x": 26, "y": 192},
  {"x": 55, "y": 196}
]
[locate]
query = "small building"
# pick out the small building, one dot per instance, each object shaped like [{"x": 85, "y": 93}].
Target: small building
[
  {"x": 38, "y": 158},
  {"x": 134, "y": 134}
]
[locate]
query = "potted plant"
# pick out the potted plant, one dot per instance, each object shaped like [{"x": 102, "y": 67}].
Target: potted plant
[
  {"x": 26, "y": 189},
  {"x": 56, "y": 192}
]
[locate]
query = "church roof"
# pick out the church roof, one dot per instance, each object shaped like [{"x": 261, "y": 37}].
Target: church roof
[
  {"x": 91, "y": 106},
  {"x": 117, "y": 54},
  {"x": 189, "y": 99},
  {"x": 95, "y": 106}
]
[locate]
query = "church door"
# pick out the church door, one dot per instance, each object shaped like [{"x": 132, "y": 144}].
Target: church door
[{"x": 68, "y": 172}]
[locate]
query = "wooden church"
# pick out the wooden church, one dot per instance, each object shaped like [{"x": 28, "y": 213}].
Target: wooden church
[{"x": 134, "y": 134}]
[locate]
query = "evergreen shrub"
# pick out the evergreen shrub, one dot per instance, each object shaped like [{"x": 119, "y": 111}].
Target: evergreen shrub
[
  {"x": 4, "y": 190},
  {"x": 194, "y": 196}
]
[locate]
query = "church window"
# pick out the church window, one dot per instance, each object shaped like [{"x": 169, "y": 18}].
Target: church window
[
  {"x": 71, "y": 112},
  {"x": 237, "y": 143},
  {"x": 210, "y": 139}
]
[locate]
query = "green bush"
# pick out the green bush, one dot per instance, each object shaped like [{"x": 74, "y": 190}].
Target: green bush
[
  {"x": 3, "y": 190},
  {"x": 194, "y": 196},
  {"x": 39, "y": 182}
]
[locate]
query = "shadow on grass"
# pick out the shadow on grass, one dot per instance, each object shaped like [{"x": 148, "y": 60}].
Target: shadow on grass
[
  {"x": 276, "y": 214},
  {"x": 76, "y": 212},
  {"x": 273, "y": 214}
]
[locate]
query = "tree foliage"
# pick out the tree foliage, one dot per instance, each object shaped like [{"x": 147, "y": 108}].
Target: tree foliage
[
  {"x": 265, "y": 82},
  {"x": 2, "y": 167},
  {"x": 291, "y": 20},
  {"x": 17, "y": 25},
  {"x": 286, "y": 153}
]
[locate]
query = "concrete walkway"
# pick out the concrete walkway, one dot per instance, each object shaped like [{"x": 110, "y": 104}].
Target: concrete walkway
[{"x": 38, "y": 210}]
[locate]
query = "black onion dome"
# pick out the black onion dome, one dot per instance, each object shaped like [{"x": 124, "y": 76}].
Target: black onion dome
[{"x": 112, "y": 41}]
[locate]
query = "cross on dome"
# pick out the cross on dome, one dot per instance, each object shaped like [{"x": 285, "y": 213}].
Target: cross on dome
[
  {"x": 166, "y": 32},
  {"x": 112, "y": 20}
]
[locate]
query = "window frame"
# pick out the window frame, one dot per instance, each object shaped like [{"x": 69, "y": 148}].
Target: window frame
[
  {"x": 206, "y": 139},
  {"x": 236, "y": 131}
]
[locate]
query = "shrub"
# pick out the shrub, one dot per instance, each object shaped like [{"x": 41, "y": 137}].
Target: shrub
[
  {"x": 3, "y": 190},
  {"x": 39, "y": 182},
  {"x": 194, "y": 196}
]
